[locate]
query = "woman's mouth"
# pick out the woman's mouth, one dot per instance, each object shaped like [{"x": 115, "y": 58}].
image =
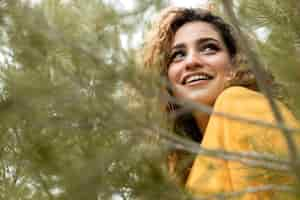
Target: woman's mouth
[{"x": 196, "y": 78}]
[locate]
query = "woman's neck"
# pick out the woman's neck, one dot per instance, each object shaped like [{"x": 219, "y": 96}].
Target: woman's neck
[{"x": 201, "y": 120}]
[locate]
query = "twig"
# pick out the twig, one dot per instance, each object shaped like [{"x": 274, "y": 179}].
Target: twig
[
  {"x": 263, "y": 188},
  {"x": 253, "y": 159},
  {"x": 189, "y": 105},
  {"x": 38, "y": 174},
  {"x": 45, "y": 186}
]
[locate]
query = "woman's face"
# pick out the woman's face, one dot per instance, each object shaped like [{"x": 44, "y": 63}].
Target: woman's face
[{"x": 200, "y": 63}]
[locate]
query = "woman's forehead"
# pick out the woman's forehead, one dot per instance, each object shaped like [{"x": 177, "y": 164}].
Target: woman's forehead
[{"x": 192, "y": 31}]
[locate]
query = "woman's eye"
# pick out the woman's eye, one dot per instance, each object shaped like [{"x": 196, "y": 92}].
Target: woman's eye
[
  {"x": 209, "y": 49},
  {"x": 177, "y": 55}
]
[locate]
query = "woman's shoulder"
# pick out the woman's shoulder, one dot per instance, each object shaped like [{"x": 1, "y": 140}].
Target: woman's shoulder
[
  {"x": 248, "y": 103},
  {"x": 240, "y": 99},
  {"x": 236, "y": 92}
]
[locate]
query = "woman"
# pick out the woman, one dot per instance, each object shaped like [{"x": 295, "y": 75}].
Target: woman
[{"x": 197, "y": 54}]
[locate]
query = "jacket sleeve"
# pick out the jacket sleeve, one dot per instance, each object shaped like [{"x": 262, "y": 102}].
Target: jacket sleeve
[{"x": 210, "y": 175}]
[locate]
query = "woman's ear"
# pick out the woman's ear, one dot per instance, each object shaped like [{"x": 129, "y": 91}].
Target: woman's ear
[
  {"x": 230, "y": 77},
  {"x": 231, "y": 74}
]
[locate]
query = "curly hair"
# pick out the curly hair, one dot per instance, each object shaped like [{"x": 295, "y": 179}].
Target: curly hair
[{"x": 158, "y": 43}]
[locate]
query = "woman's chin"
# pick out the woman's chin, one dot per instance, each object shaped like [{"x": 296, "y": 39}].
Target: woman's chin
[{"x": 201, "y": 97}]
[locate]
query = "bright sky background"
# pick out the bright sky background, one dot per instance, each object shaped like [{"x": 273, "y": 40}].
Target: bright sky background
[
  {"x": 262, "y": 32},
  {"x": 188, "y": 3},
  {"x": 128, "y": 4}
]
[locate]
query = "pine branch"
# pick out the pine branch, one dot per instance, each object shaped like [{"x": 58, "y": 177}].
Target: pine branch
[
  {"x": 263, "y": 188},
  {"x": 189, "y": 105},
  {"x": 252, "y": 159},
  {"x": 45, "y": 186}
]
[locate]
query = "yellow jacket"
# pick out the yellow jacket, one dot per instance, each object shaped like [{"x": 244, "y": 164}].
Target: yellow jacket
[{"x": 211, "y": 175}]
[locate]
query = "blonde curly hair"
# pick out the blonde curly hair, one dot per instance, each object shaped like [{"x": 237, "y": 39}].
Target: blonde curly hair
[{"x": 159, "y": 39}]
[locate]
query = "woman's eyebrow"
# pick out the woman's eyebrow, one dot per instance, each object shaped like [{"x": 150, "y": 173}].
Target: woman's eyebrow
[
  {"x": 208, "y": 39},
  {"x": 198, "y": 41},
  {"x": 178, "y": 46}
]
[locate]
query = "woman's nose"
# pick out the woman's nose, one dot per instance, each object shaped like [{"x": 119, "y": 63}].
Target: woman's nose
[{"x": 193, "y": 61}]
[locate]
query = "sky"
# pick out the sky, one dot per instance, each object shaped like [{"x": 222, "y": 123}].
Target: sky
[
  {"x": 189, "y": 3},
  {"x": 128, "y": 4},
  {"x": 262, "y": 33}
]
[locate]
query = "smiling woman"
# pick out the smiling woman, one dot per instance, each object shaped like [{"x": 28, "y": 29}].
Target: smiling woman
[
  {"x": 200, "y": 64},
  {"x": 197, "y": 54}
]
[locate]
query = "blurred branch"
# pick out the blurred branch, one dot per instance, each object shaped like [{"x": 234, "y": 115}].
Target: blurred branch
[
  {"x": 45, "y": 186},
  {"x": 189, "y": 105},
  {"x": 38, "y": 174},
  {"x": 261, "y": 77},
  {"x": 253, "y": 159},
  {"x": 263, "y": 188}
]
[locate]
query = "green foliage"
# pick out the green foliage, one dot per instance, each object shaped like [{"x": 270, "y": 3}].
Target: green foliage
[{"x": 70, "y": 128}]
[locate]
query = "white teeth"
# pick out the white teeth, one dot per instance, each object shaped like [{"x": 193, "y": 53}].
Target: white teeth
[{"x": 196, "y": 78}]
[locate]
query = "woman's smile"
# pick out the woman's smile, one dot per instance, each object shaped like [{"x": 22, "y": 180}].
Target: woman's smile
[{"x": 196, "y": 78}]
